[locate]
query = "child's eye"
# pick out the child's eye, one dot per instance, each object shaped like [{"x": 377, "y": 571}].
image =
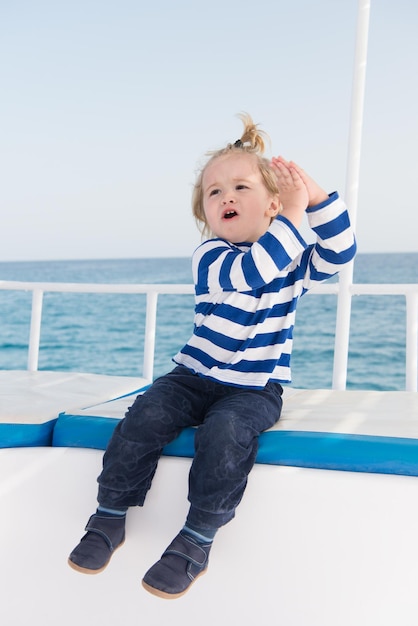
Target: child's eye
[
  {"x": 214, "y": 192},
  {"x": 239, "y": 187}
]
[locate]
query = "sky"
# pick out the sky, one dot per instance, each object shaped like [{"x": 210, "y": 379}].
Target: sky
[{"x": 108, "y": 109}]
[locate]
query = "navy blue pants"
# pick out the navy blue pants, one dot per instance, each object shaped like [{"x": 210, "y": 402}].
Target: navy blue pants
[{"x": 229, "y": 421}]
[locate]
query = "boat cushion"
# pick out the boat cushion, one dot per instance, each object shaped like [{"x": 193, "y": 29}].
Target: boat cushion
[
  {"x": 30, "y": 402},
  {"x": 361, "y": 431}
]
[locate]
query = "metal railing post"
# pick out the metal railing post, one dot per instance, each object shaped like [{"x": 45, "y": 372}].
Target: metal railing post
[
  {"x": 342, "y": 331},
  {"x": 35, "y": 330},
  {"x": 150, "y": 332}
]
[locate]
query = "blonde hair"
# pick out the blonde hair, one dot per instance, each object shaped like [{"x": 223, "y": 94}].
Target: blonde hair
[{"x": 251, "y": 142}]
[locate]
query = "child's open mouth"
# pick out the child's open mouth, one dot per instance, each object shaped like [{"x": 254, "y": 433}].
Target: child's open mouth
[{"x": 230, "y": 214}]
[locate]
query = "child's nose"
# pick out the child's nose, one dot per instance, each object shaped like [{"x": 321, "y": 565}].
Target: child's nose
[{"x": 228, "y": 198}]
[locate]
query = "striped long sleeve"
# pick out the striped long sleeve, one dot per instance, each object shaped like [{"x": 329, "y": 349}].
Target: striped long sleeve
[{"x": 246, "y": 296}]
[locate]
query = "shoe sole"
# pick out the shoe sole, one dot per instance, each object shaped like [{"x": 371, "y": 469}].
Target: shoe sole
[
  {"x": 86, "y": 570},
  {"x": 170, "y": 596}
]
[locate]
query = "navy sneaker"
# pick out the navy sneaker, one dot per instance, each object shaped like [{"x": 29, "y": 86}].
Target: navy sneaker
[
  {"x": 184, "y": 560},
  {"x": 93, "y": 553}
]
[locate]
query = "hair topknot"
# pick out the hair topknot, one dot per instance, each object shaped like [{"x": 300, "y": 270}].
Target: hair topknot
[
  {"x": 250, "y": 142},
  {"x": 252, "y": 138}
]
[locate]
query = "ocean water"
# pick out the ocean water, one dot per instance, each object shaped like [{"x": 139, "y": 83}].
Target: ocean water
[{"x": 103, "y": 333}]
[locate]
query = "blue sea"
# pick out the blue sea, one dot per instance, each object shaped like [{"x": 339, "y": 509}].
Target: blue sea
[{"x": 103, "y": 333}]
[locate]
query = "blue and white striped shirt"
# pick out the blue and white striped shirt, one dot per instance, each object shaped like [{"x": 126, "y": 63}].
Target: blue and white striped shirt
[{"x": 246, "y": 296}]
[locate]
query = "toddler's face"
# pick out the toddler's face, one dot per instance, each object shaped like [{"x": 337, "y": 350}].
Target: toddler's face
[{"x": 238, "y": 207}]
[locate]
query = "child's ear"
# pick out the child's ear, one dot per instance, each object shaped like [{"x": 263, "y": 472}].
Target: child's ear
[{"x": 275, "y": 207}]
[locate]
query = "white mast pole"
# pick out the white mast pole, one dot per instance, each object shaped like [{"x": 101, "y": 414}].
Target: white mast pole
[{"x": 342, "y": 331}]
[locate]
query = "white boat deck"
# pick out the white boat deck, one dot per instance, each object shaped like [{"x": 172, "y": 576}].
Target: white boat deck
[{"x": 307, "y": 547}]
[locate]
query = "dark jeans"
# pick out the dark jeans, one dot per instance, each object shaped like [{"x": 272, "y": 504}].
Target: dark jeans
[{"x": 229, "y": 421}]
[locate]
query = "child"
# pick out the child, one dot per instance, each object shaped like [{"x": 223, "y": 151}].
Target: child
[{"x": 249, "y": 276}]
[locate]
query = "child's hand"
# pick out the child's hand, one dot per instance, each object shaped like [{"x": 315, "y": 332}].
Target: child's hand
[
  {"x": 293, "y": 192},
  {"x": 316, "y": 193}
]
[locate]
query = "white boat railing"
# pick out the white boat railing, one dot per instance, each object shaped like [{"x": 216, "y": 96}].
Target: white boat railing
[{"x": 152, "y": 291}]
